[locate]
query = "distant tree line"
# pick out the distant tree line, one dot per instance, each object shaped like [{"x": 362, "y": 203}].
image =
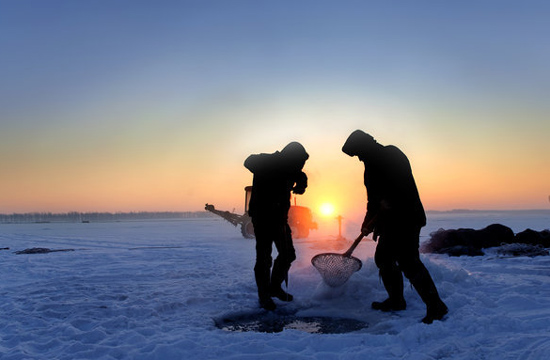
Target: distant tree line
[{"x": 74, "y": 216}]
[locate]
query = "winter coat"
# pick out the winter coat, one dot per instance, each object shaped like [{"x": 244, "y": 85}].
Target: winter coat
[
  {"x": 274, "y": 178},
  {"x": 392, "y": 193}
]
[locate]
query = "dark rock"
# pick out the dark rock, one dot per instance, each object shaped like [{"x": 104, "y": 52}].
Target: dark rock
[
  {"x": 533, "y": 237},
  {"x": 467, "y": 241}
]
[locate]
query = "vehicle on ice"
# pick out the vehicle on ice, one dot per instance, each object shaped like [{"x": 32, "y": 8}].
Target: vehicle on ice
[{"x": 300, "y": 218}]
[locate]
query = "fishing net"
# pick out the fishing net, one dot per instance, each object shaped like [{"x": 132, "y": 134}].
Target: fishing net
[{"x": 336, "y": 269}]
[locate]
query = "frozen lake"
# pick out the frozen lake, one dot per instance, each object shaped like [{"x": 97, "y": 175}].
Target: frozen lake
[{"x": 154, "y": 290}]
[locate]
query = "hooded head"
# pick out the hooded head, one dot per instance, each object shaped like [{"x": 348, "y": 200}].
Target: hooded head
[
  {"x": 358, "y": 143},
  {"x": 295, "y": 153},
  {"x": 295, "y": 150}
]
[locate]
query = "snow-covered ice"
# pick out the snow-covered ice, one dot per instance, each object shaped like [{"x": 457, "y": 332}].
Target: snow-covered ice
[{"x": 154, "y": 290}]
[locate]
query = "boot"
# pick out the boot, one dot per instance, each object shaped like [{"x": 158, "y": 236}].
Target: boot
[
  {"x": 261, "y": 274},
  {"x": 390, "y": 305},
  {"x": 435, "y": 311},
  {"x": 278, "y": 275},
  {"x": 267, "y": 303},
  {"x": 393, "y": 283},
  {"x": 435, "y": 307},
  {"x": 279, "y": 293}
]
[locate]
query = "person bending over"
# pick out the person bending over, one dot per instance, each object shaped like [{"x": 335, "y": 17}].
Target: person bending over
[
  {"x": 395, "y": 216},
  {"x": 276, "y": 175}
]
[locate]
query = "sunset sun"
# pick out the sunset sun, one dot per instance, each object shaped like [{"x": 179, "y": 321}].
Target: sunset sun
[{"x": 327, "y": 209}]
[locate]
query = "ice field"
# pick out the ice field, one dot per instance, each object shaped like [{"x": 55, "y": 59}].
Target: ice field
[{"x": 157, "y": 289}]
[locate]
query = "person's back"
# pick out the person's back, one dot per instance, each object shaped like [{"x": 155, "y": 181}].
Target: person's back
[
  {"x": 271, "y": 186},
  {"x": 389, "y": 178}
]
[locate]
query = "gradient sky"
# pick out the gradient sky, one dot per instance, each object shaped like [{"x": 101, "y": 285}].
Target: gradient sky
[{"x": 154, "y": 105}]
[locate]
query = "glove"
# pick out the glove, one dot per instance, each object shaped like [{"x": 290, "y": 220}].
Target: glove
[
  {"x": 375, "y": 234},
  {"x": 301, "y": 184},
  {"x": 369, "y": 226}
]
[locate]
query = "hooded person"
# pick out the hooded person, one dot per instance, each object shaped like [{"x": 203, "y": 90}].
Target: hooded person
[
  {"x": 276, "y": 175},
  {"x": 395, "y": 216}
]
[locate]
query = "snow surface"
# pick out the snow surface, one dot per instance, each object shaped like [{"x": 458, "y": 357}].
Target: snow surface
[{"x": 153, "y": 290}]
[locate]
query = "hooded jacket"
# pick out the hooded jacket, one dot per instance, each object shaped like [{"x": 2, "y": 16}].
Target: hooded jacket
[
  {"x": 391, "y": 189},
  {"x": 275, "y": 176}
]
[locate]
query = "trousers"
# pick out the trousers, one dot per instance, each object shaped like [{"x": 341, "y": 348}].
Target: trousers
[
  {"x": 269, "y": 233},
  {"x": 396, "y": 253}
]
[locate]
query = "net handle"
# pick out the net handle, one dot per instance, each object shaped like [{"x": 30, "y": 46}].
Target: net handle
[
  {"x": 360, "y": 237},
  {"x": 354, "y": 245}
]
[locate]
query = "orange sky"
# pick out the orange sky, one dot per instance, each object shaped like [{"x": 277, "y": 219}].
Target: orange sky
[{"x": 158, "y": 110}]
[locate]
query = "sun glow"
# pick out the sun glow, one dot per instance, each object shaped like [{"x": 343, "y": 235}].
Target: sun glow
[{"x": 326, "y": 209}]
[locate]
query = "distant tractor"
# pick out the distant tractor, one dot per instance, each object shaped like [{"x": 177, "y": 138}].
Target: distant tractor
[{"x": 300, "y": 218}]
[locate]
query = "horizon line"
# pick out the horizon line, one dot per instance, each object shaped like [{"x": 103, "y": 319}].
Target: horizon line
[{"x": 205, "y": 211}]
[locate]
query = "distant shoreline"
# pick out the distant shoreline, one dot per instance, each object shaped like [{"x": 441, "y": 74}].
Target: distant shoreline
[{"x": 87, "y": 217}]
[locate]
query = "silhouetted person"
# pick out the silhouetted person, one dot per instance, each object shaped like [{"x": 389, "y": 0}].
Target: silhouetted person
[
  {"x": 395, "y": 216},
  {"x": 275, "y": 176}
]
